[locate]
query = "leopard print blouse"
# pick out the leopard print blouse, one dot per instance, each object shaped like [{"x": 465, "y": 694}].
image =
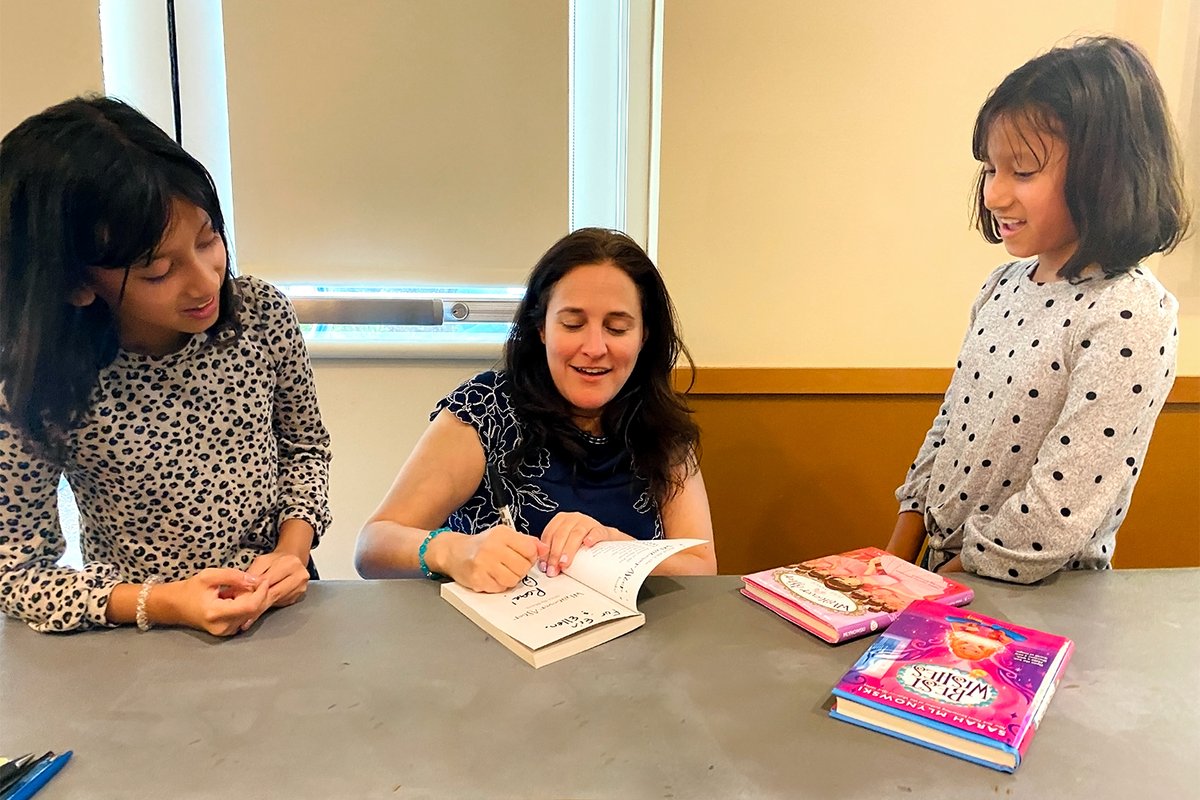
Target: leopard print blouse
[{"x": 182, "y": 462}]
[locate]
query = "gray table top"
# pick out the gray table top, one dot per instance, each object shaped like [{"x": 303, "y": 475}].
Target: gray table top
[{"x": 381, "y": 689}]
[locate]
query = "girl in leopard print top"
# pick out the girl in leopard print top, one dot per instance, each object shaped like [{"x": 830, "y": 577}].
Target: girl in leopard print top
[{"x": 177, "y": 400}]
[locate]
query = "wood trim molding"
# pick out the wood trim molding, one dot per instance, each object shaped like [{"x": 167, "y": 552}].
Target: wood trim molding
[{"x": 850, "y": 381}]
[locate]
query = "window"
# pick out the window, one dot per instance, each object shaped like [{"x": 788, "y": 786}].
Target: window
[{"x": 397, "y": 167}]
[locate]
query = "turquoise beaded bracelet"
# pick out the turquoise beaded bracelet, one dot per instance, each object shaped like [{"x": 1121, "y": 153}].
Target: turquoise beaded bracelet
[{"x": 425, "y": 570}]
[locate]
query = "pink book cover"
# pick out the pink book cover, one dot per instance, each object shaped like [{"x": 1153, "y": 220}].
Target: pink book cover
[
  {"x": 961, "y": 672},
  {"x": 846, "y": 595}
]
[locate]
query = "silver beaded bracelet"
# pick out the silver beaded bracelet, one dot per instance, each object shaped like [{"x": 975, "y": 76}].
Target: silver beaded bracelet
[{"x": 143, "y": 622}]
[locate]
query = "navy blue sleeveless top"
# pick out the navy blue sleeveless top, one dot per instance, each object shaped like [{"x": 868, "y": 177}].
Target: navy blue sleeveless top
[{"x": 605, "y": 485}]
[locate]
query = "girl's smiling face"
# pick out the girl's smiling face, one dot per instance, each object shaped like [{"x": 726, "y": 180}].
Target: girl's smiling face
[
  {"x": 174, "y": 294},
  {"x": 593, "y": 333},
  {"x": 1024, "y": 189}
]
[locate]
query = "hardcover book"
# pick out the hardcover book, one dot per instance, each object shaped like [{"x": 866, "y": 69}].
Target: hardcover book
[
  {"x": 545, "y": 619},
  {"x": 850, "y": 594},
  {"x": 955, "y": 681}
]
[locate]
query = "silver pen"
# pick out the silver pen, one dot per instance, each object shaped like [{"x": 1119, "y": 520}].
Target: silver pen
[{"x": 501, "y": 499}]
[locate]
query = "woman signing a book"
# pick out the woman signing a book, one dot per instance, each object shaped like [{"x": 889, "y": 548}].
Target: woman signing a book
[{"x": 579, "y": 439}]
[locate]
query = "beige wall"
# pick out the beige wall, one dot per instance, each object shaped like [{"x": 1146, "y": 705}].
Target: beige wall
[
  {"x": 816, "y": 171},
  {"x": 49, "y": 51},
  {"x": 375, "y": 412},
  {"x": 1178, "y": 60}
]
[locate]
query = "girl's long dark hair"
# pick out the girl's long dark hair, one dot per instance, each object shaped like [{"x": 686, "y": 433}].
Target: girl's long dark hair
[
  {"x": 86, "y": 183},
  {"x": 648, "y": 415},
  {"x": 1124, "y": 180}
]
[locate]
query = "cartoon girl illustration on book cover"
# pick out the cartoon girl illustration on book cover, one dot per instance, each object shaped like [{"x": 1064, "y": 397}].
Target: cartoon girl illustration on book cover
[{"x": 973, "y": 640}]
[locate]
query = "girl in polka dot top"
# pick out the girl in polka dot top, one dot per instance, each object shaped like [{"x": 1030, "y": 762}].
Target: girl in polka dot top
[
  {"x": 177, "y": 400},
  {"x": 1030, "y": 464}
]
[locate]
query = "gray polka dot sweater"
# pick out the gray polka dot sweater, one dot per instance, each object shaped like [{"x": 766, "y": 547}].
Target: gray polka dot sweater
[
  {"x": 1031, "y": 461},
  {"x": 183, "y": 462}
]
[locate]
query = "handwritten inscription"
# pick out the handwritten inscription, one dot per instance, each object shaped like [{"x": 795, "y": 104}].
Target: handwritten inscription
[{"x": 583, "y": 619}]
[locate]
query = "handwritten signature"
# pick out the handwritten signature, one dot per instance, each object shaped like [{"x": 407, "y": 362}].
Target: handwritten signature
[{"x": 533, "y": 591}]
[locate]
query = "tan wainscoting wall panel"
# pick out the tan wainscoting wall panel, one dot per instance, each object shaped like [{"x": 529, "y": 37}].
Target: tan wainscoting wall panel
[{"x": 803, "y": 462}]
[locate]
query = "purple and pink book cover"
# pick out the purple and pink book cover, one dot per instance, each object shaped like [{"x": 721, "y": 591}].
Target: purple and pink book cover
[
  {"x": 856, "y": 592},
  {"x": 955, "y": 669}
]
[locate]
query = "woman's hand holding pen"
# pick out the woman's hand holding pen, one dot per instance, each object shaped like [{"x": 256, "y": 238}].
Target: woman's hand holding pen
[
  {"x": 565, "y": 534},
  {"x": 492, "y": 561}
]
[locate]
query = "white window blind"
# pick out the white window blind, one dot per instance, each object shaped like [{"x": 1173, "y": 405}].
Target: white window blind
[{"x": 397, "y": 141}]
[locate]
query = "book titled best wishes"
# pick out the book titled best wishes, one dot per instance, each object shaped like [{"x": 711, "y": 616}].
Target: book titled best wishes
[
  {"x": 955, "y": 681},
  {"x": 593, "y": 600},
  {"x": 846, "y": 595}
]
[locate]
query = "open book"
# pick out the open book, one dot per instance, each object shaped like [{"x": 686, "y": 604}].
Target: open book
[{"x": 545, "y": 619}]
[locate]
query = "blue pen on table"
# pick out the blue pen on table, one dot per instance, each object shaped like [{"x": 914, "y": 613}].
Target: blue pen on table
[
  {"x": 500, "y": 496},
  {"x": 46, "y": 768}
]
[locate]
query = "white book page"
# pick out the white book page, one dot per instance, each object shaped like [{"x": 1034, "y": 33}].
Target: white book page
[
  {"x": 541, "y": 610},
  {"x": 617, "y": 569}
]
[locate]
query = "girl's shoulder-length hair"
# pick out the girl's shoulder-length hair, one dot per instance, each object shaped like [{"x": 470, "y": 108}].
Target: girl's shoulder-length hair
[
  {"x": 88, "y": 183},
  {"x": 1124, "y": 182},
  {"x": 651, "y": 418}
]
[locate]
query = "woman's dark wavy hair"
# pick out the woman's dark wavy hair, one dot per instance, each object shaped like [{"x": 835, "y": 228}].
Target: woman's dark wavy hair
[
  {"x": 86, "y": 183},
  {"x": 648, "y": 414},
  {"x": 1124, "y": 176}
]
